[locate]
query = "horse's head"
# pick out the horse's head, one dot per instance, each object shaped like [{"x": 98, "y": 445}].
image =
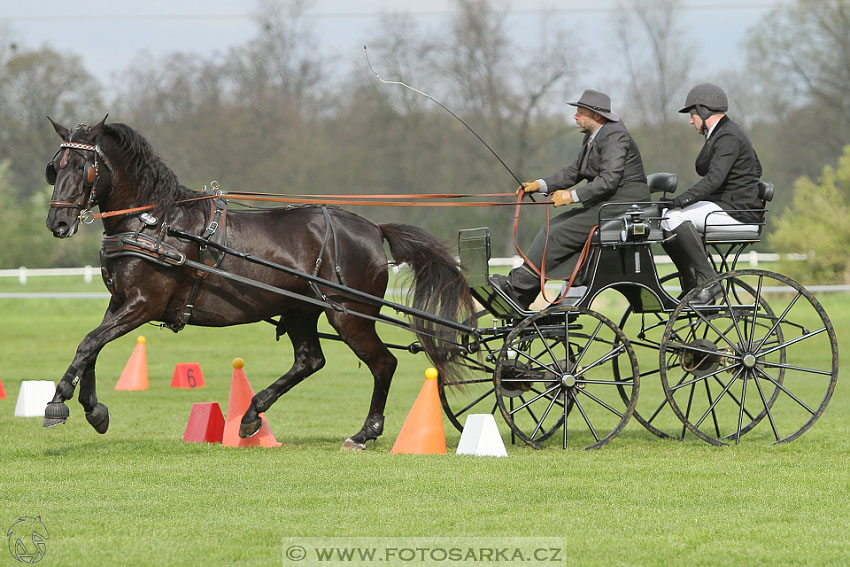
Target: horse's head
[{"x": 80, "y": 172}]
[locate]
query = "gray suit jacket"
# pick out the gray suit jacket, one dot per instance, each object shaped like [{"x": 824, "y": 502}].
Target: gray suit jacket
[{"x": 611, "y": 165}]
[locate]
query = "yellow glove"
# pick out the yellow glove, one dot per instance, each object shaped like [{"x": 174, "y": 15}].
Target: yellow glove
[
  {"x": 528, "y": 187},
  {"x": 562, "y": 197}
]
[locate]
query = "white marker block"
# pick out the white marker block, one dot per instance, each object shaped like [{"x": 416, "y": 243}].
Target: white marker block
[
  {"x": 481, "y": 437},
  {"x": 33, "y": 397}
]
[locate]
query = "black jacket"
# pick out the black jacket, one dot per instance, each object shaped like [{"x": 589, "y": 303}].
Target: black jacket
[
  {"x": 612, "y": 167},
  {"x": 730, "y": 171}
]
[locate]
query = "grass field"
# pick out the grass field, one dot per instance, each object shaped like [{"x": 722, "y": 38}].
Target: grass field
[{"x": 139, "y": 496}]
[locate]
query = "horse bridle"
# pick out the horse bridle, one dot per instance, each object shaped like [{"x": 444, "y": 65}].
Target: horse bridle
[{"x": 91, "y": 174}]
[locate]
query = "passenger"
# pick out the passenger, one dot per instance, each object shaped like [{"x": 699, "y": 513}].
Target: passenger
[
  {"x": 730, "y": 171},
  {"x": 610, "y": 162}
]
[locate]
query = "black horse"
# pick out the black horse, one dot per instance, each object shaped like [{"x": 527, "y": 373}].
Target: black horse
[{"x": 115, "y": 168}]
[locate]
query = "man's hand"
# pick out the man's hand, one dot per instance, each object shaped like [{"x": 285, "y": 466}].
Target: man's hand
[
  {"x": 528, "y": 187},
  {"x": 562, "y": 197}
]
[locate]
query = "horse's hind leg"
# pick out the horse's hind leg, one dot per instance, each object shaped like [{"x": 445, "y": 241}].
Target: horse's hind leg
[
  {"x": 360, "y": 335},
  {"x": 307, "y": 352}
]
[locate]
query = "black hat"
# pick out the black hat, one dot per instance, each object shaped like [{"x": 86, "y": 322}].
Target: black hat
[{"x": 598, "y": 102}]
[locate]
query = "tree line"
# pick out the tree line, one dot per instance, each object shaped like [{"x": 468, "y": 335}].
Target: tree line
[{"x": 272, "y": 115}]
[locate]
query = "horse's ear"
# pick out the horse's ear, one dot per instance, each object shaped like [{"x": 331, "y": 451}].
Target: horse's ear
[
  {"x": 61, "y": 130},
  {"x": 97, "y": 128}
]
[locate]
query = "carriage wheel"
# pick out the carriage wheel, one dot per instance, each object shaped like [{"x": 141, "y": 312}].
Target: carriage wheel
[
  {"x": 645, "y": 332},
  {"x": 475, "y": 393},
  {"x": 741, "y": 362},
  {"x": 555, "y": 371}
]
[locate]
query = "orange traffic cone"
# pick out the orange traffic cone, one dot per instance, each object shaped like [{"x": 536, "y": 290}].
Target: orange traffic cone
[
  {"x": 135, "y": 374},
  {"x": 2, "y": 391},
  {"x": 238, "y": 403},
  {"x": 422, "y": 432}
]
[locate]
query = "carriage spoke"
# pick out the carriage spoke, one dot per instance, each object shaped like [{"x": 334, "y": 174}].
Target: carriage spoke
[
  {"x": 534, "y": 399},
  {"x": 545, "y": 415},
  {"x": 714, "y": 374},
  {"x": 741, "y": 410},
  {"x": 767, "y": 410},
  {"x": 714, "y": 403},
  {"x": 586, "y": 418},
  {"x": 781, "y": 318},
  {"x": 600, "y": 402},
  {"x": 797, "y": 368},
  {"x": 469, "y": 406},
  {"x": 590, "y": 340},
  {"x": 787, "y": 391},
  {"x": 794, "y": 341}
]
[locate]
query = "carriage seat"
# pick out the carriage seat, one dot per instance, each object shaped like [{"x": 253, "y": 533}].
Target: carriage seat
[{"x": 716, "y": 233}]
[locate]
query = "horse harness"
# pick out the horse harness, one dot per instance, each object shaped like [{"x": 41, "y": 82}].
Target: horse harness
[{"x": 154, "y": 248}]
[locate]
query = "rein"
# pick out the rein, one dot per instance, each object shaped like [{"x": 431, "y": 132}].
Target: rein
[{"x": 371, "y": 200}]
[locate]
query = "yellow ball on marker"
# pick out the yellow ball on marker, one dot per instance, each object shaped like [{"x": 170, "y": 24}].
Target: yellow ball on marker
[
  {"x": 238, "y": 363},
  {"x": 431, "y": 374},
  {"x": 140, "y": 339}
]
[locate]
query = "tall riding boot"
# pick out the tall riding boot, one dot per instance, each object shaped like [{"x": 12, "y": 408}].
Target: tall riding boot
[
  {"x": 521, "y": 284},
  {"x": 687, "y": 252}
]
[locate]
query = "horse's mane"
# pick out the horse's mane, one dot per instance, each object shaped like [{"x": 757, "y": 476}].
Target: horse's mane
[{"x": 153, "y": 178}]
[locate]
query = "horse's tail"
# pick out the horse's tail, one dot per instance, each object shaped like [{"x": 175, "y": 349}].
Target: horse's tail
[{"x": 439, "y": 288}]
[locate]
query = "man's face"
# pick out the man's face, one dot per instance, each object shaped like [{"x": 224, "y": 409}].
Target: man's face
[
  {"x": 696, "y": 121},
  {"x": 585, "y": 120}
]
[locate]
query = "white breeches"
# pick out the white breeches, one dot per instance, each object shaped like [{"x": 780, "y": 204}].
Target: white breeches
[{"x": 700, "y": 214}]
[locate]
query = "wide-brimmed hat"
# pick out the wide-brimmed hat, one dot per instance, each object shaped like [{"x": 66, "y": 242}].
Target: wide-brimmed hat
[{"x": 598, "y": 102}]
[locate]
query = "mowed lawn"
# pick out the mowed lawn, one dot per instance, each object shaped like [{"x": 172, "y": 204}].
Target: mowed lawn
[{"x": 138, "y": 495}]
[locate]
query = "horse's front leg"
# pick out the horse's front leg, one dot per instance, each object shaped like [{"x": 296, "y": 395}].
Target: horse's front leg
[{"x": 118, "y": 321}]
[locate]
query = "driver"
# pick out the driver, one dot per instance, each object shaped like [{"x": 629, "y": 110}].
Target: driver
[{"x": 610, "y": 162}]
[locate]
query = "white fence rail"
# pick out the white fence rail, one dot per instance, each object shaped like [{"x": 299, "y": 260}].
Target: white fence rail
[
  {"x": 23, "y": 273},
  {"x": 750, "y": 259}
]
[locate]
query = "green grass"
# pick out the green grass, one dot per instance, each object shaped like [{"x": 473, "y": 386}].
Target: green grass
[{"x": 139, "y": 496}]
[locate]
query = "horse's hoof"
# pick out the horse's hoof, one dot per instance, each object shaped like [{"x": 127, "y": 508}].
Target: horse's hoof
[
  {"x": 55, "y": 413},
  {"x": 250, "y": 429},
  {"x": 99, "y": 418},
  {"x": 352, "y": 445}
]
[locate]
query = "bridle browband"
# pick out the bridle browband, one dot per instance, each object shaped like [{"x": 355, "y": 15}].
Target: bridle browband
[{"x": 91, "y": 174}]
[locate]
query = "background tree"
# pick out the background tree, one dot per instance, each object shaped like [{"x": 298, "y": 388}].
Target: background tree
[
  {"x": 35, "y": 84},
  {"x": 799, "y": 66},
  {"x": 274, "y": 115},
  {"x": 816, "y": 205},
  {"x": 656, "y": 79}
]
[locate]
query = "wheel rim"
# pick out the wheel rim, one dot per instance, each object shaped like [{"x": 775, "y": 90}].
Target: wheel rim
[
  {"x": 555, "y": 373},
  {"x": 774, "y": 361}
]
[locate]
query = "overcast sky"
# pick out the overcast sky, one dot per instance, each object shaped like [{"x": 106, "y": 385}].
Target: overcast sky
[{"x": 109, "y": 35}]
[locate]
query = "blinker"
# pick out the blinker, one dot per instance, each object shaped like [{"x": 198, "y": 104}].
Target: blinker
[{"x": 50, "y": 173}]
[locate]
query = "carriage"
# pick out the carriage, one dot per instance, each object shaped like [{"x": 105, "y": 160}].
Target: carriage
[{"x": 763, "y": 354}]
